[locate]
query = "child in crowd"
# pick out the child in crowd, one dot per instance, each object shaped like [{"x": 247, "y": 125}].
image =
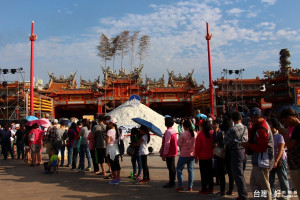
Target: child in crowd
[{"x": 54, "y": 160}]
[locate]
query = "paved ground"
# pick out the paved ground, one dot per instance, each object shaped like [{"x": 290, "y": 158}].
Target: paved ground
[{"x": 19, "y": 181}]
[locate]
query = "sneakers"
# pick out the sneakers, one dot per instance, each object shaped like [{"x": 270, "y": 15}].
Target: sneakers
[
  {"x": 209, "y": 191},
  {"x": 144, "y": 181},
  {"x": 202, "y": 192},
  {"x": 219, "y": 194},
  {"x": 190, "y": 189},
  {"x": 138, "y": 178},
  {"x": 229, "y": 193},
  {"x": 206, "y": 192},
  {"x": 88, "y": 169},
  {"x": 80, "y": 170},
  {"x": 114, "y": 181},
  {"x": 179, "y": 189}
]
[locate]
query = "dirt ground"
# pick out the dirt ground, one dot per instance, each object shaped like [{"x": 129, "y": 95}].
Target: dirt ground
[{"x": 20, "y": 181}]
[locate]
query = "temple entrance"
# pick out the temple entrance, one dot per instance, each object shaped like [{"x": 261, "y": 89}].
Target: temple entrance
[
  {"x": 77, "y": 111},
  {"x": 178, "y": 109}
]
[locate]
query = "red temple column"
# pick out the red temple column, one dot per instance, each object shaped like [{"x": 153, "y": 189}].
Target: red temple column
[
  {"x": 32, "y": 38},
  {"x": 211, "y": 89}
]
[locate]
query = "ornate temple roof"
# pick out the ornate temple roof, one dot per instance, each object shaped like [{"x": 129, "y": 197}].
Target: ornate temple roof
[
  {"x": 255, "y": 81},
  {"x": 155, "y": 83},
  {"x": 180, "y": 81},
  {"x": 286, "y": 72},
  {"x": 176, "y": 83},
  {"x": 277, "y": 76},
  {"x": 94, "y": 85},
  {"x": 281, "y": 82},
  {"x": 56, "y": 84},
  {"x": 113, "y": 77}
]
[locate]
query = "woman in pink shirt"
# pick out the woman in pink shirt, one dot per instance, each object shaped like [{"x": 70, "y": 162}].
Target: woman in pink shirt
[
  {"x": 204, "y": 153},
  {"x": 186, "y": 143},
  {"x": 35, "y": 144}
]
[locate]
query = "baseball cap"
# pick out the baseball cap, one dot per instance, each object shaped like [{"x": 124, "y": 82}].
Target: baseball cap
[
  {"x": 112, "y": 120},
  {"x": 254, "y": 111}
]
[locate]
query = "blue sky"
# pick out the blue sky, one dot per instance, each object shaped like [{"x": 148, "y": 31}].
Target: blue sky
[{"x": 247, "y": 34}]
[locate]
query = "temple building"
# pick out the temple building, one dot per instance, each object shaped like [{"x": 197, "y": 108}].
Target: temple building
[
  {"x": 283, "y": 86},
  {"x": 239, "y": 94},
  {"x": 92, "y": 97},
  {"x": 179, "y": 96}
]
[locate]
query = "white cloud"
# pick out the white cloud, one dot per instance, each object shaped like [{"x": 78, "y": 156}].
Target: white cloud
[
  {"x": 65, "y": 11},
  {"x": 219, "y": 2},
  {"x": 235, "y": 11},
  {"x": 269, "y": 2},
  {"x": 69, "y": 12},
  {"x": 267, "y": 25},
  {"x": 177, "y": 34}
]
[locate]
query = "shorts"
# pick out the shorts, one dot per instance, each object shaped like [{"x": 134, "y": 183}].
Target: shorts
[
  {"x": 101, "y": 155},
  {"x": 115, "y": 164},
  {"x": 49, "y": 148},
  {"x": 35, "y": 148}
]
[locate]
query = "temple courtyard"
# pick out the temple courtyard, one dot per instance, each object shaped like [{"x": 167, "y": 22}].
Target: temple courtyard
[{"x": 20, "y": 181}]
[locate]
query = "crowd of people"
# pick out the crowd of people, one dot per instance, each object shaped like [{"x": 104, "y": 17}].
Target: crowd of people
[{"x": 220, "y": 145}]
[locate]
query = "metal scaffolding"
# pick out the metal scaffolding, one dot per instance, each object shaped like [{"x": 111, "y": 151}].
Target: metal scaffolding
[
  {"x": 233, "y": 88},
  {"x": 13, "y": 92}
]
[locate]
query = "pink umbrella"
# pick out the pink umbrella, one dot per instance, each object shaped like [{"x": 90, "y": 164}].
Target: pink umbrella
[{"x": 41, "y": 122}]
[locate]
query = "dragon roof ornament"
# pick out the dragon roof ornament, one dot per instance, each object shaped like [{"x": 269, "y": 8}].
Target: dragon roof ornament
[
  {"x": 90, "y": 84},
  {"x": 62, "y": 78},
  {"x": 285, "y": 68},
  {"x": 174, "y": 81},
  {"x": 110, "y": 75},
  {"x": 155, "y": 83},
  {"x": 70, "y": 81}
]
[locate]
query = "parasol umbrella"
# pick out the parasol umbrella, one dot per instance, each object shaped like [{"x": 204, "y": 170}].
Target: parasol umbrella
[
  {"x": 30, "y": 118},
  {"x": 41, "y": 122},
  {"x": 66, "y": 120},
  {"x": 293, "y": 107},
  {"x": 201, "y": 115},
  {"x": 154, "y": 129}
]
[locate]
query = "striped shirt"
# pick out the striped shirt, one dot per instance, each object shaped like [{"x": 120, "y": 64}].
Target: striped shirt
[{"x": 235, "y": 136}]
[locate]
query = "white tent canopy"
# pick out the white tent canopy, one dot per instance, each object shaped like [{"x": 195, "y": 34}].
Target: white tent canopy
[{"x": 125, "y": 112}]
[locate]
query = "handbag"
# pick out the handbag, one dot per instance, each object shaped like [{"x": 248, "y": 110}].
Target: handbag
[
  {"x": 130, "y": 151},
  {"x": 220, "y": 152}
]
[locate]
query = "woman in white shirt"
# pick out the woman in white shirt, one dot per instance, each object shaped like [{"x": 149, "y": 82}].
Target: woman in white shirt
[
  {"x": 112, "y": 150},
  {"x": 145, "y": 139}
]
